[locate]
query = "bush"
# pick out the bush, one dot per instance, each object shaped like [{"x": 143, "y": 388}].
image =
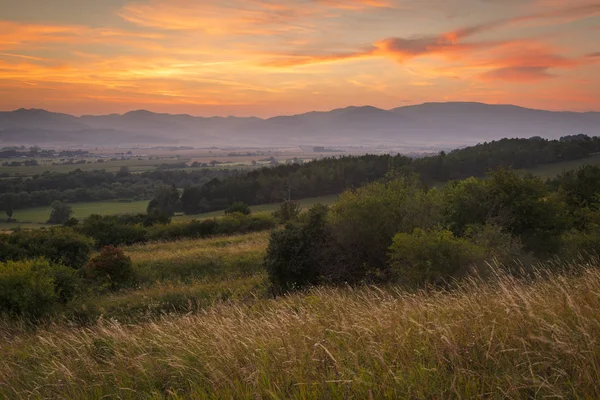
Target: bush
[
  {"x": 111, "y": 269},
  {"x": 107, "y": 230},
  {"x": 287, "y": 211},
  {"x": 365, "y": 220},
  {"x": 60, "y": 213},
  {"x": 521, "y": 205},
  {"x": 431, "y": 256},
  {"x": 240, "y": 223},
  {"x": 238, "y": 207},
  {"x": 33, "y": 288},
  {"x": 576, "y": 244},
  {"x": 59, "y": 245},
  {"x": 303, "y": 254}
]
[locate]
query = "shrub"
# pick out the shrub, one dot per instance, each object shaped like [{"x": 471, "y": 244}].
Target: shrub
[
  {"x": 33, "y": 288},
  {"x": 60, "y": 213},
  {"x": 111, "y": 269},
  {"x": 303, "y": 254},
  {"x": 365, "y": 220},
  {"x": 238, "y": 207},
  {"x": 577, "y": 244},
  {"x": 108, "y": 230},
  {"x": 287, "y": 211},
  {"x": 240, "y": 223},
  {"x": 430, "y": 256},
  {"x": 59, "y": 245},
  {"x": 497, "y": 244},
  {"x": 521, "y": 205}
]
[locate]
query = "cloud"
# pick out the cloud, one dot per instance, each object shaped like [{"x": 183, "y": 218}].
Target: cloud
[
  {"x": 517, "y": 74},
  {"x": 241, "y": 17}
]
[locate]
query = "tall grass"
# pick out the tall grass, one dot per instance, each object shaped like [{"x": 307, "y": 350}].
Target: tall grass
[
  {"x": 502, "y": 339},
  {"x": 220, "y": 258}
]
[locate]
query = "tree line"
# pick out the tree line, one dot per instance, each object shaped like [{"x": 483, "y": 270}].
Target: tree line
[
  {"x": 334, "y": 175},
  {"x": 86, "y": 186}
]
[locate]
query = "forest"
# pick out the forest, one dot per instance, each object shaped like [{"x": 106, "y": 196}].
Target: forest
[{"x": 334, "y": 175}]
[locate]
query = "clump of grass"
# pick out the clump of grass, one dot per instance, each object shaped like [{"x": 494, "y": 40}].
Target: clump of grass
[{"x": 503, "y": 339}]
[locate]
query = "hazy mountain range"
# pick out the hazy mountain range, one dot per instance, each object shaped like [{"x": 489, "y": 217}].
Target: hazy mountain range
[{"x": 443, "y": 124}]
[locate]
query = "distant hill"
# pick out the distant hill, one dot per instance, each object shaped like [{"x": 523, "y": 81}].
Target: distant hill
[{"x": 443, "y": 124}]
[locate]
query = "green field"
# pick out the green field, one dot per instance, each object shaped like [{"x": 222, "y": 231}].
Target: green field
[
  {"x": 304, "y": 205},
  {"x": 37, "y": 217},
  {"x": 548, "y": 171}
]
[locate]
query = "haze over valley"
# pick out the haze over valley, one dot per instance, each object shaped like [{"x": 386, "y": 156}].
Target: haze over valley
[{"x": 431, "y": 125}]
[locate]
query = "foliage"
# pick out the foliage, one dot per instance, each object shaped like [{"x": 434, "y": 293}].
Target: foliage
[
  {"x": 59, "y": 245},
  {"x": 109, "y": 230},
  {"x": 522, "y": 206},
  {"x": 334, "y": 175},
  {"x": 432, "y": 256},
  {"x": 364, "y": 220},
  {"x": 60, "y": 213},
  {"x": 111, "y": 269},
  {"x": 165, "y": 202},
  {"x": 238, "y": 207},
  {"x": 297, "y": 256},
  {"x": 287, "y": 211},
  {"x": 33, "y": 288}
]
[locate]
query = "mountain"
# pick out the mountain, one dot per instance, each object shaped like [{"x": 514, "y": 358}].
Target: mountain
[{"x": 443, "y": 124}]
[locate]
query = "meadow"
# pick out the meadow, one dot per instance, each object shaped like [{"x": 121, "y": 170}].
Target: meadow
[
  {"x": 36, "y": 217},
  {"x": 548, "y": 171},
  {"x": 504, "y": 338}
]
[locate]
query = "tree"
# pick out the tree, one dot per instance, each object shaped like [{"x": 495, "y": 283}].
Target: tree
[
  {"x": 287, "y": 211},
  {"x": 166, "y": 201},
  {"x": 238, "y": 207},
  {"x": 365, "y": 220},
  {"x": 9, "y": 204},
  {"x": 60, "y": 213},
  {"x": 123, "y": 172}
]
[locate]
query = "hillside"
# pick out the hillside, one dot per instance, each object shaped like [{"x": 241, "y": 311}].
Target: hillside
[
  {"x": 431, "y": 124},
  {"x": 505, "y": 339}
]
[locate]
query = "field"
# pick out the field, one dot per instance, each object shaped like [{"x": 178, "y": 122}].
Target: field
[
  {"x": 134, "y": 165},
  {"x": 501, "y": 339},
  {"x": 548, "y": 171},
  {"x": 37, "y": 217}
]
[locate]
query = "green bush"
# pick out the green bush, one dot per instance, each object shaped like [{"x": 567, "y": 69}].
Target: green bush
[
  {"x": 238, "y": 207},
  {"x": 365, "y": 220},
  {"x": 239, "y": 223},
  {"x": 59, "y": 245},
  {"x": 287, "y": 211},
  {"x": 60, "y": 213},
  {"x": 576, "y": 244},
  {"x": 111, "y": 269},
  {"x": 303, "y": 254},
  {"x": 432, "y": 256},
  {"x": 192, "y": 229},
  {"x": 33, "y": 288},
  {"x": 109, "y": 230},
  {"x": 522, "y": 206}
]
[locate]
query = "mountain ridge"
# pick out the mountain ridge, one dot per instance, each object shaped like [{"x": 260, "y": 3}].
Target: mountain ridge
[{"x": 443, "y": 123}]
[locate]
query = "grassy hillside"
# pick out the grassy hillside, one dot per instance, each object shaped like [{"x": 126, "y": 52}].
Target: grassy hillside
[
  {"x": 504, "y": 339},
  {"x": 547, "y": 171}
]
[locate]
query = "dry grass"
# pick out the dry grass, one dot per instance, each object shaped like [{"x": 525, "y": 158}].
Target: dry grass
[
  {"x": 504, "y": 339},
  {"x": 221, "y": 258}
]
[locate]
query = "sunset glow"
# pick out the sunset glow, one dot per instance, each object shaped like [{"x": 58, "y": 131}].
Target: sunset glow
[{"x": 264, "y": 57}]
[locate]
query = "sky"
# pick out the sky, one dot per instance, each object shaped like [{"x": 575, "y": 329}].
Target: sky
[{"x": 265, "y": 57}]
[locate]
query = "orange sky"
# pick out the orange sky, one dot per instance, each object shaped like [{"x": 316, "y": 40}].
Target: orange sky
[{"x": 264, "y": 57}]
